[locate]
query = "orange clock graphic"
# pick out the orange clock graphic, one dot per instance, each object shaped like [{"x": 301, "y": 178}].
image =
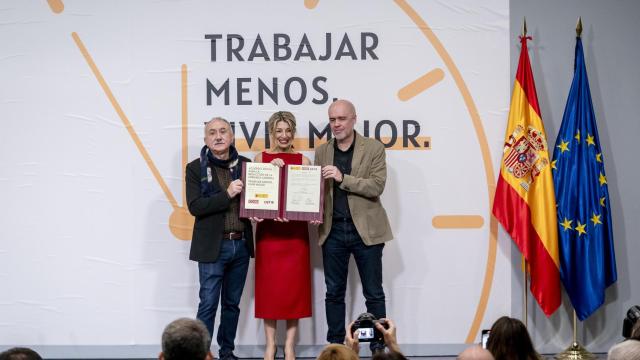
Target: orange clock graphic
[{"x": 181, "y": 222}]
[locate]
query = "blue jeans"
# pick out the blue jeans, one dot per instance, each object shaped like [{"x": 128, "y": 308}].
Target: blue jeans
[
  {"x": 343, "y": 240},
  {"x": 226, "y": 275}
]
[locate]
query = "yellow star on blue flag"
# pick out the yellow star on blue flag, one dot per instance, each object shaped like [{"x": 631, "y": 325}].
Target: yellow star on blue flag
[
  {"x": 566, "y": 224},
  {"x": 563, "y": 146}
]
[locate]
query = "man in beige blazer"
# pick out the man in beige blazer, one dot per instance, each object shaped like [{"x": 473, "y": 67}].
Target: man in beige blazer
[{"x": 355, "y": 223}]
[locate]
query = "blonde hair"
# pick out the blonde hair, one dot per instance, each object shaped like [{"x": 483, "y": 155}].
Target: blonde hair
[
  {"x": 337, "y": 352},
  {"x": 284, "y": 116}
]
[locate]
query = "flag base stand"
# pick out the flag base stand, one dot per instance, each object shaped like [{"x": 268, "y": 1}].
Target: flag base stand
[{"x": 575, "y": 352}]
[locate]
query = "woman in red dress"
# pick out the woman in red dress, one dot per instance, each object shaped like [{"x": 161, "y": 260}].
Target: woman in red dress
[{"x": 283, "y": 271}]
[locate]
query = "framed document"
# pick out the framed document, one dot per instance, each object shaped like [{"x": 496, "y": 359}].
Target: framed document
[
  {"x": 294, "y": 192},
  {"x": 260, "y": 195},
  {"x": 304, "y": 193}
]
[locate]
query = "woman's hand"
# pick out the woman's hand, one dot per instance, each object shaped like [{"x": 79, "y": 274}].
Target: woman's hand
[{"x": 277, "y": 162}]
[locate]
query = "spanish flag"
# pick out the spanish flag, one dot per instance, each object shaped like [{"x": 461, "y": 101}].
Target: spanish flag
[{"x": 525, "y": 202}]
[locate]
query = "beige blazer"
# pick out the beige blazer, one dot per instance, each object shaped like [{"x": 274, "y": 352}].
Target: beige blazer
[{"x": 364, "y": 187}]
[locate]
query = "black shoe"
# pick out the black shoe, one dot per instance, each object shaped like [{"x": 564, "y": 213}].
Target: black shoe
[{"x": 228, "y": 356}]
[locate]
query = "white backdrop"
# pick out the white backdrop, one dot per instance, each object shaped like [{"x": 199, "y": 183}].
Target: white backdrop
[{"x": 85, "y": 242}]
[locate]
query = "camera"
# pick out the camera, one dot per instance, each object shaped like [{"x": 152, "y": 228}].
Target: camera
[
  {"x": 485, "y": 338},
  {"x": 633, "y": 314},
  {"x": 365, "y": 326}
]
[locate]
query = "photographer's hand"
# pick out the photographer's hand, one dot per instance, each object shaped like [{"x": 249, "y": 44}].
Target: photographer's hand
[
  {"x": 389, "y": 334},
  {"x": 351, "y": 339}
]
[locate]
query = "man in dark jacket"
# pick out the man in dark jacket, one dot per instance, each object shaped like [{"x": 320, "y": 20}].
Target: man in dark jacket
[{"x": 222, "y": 242}]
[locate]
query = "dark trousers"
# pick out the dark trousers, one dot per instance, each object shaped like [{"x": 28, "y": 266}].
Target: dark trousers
[
  {"x": 342, "y": 242},
  {"x": 224, "y": 277}
]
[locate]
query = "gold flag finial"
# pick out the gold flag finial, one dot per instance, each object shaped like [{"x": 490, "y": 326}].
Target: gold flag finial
[
  {"x": 524, "y": 26},
  {"x": 579, "y": 27}
]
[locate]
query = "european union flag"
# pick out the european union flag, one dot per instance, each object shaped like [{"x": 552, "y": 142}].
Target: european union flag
[{"x": 587, "y": 256}]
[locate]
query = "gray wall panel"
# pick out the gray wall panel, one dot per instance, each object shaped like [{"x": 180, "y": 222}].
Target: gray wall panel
[{"x": 611, "y": 53}]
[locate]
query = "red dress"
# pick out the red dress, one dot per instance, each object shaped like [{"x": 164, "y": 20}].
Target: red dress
[{"x": 283, "y": 270}]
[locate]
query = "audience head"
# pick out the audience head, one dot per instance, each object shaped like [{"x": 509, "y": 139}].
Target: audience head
[
  {"x": 475, "y": 352},
  {"x": 626, "y": 350},
  {"x": 391, "y": 355},
  {"x": 635, "y": 332},
  {"x": 185, "y": 339},
  {"x": 19, "y": 353},
  {"x": 337, "y": 352},
  {"x": 509, "y": 340}
]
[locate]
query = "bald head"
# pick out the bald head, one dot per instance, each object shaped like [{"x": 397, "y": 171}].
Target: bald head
[
  {"x": 346, "y": 107},
  {"x": 342, "y": 118},
  {"x": 475, "y": 352}
]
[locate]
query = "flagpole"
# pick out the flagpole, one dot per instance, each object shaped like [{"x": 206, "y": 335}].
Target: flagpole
[
  {"x": 525, "y": 296},
  {"x": 575, "y": 327},
  {"x": 525, "y": 292},
  {"x": 576, "y": 351}
]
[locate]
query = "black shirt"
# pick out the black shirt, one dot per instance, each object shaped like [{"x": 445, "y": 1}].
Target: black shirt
[
  {"x": 232, "y": 221},
  {"x": 341, "y": 160}
]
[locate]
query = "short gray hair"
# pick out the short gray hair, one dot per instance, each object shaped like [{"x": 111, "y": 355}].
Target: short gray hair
[
  {"x": 185, "y": 339},
  {"x": 217, "y": 118}
]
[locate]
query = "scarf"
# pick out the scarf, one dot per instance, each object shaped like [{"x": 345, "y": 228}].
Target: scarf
[{"x": 206, "y": 172}]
